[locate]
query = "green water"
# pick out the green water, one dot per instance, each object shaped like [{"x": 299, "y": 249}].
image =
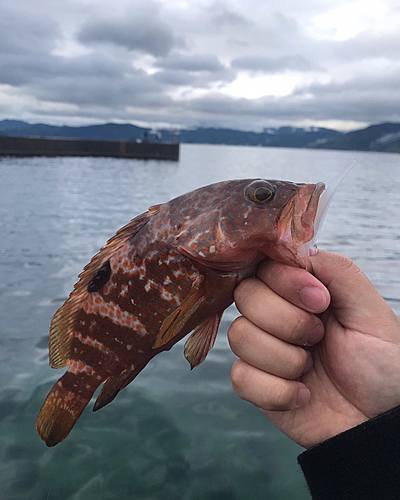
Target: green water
[{"x": 173, "y": 433}]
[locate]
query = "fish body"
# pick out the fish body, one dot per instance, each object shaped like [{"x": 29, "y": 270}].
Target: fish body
[{"x": 168, "y": 272}]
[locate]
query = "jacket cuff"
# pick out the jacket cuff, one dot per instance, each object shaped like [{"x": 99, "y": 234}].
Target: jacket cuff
[{"x": 361, "y": 463}]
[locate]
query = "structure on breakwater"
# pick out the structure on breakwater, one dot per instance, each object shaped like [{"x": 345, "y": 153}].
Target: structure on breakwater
[{"x": 32, "y": 146}]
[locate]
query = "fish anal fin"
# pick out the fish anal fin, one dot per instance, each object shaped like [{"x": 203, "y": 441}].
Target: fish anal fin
[
  {"x": 113, "y": 385},
  {"x": 175, "y": 322},
  {"x": 202, "y": 340},
  {"x": 62, "y": 408},
  {"x": 110, "y": 389},
  {"x": 62, "y": 328}
]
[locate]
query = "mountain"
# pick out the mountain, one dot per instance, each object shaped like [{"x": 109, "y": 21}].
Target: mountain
[
  {"x": 108, "y": 131},
  {"x": 382, "y": 137},
  {"x": 13, "y": 125},
  {"x": 273, "y": 137}
]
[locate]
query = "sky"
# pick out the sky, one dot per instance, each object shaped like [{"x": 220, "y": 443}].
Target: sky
[{"x": 185, "y": 63}]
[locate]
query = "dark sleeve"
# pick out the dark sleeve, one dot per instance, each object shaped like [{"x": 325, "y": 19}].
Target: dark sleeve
[{"x": 362, "y": 463}]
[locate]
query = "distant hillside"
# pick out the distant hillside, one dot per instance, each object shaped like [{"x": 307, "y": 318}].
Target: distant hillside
[
  {"x": 273, "y": 137},
  {"x": 108, "y": 131},
  {"x": 382, "y": 137}
]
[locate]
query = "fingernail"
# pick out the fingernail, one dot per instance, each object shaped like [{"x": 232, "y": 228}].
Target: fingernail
[
  {"x": 313, "y": 297},
  {"x": 312, "y": 251},
  {"x": 303, "y": 396},
  {"x": 316, "y": 334}
]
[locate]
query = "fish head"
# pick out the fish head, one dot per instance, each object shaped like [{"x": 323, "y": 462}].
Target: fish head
[{"x": 234, "y": 224}]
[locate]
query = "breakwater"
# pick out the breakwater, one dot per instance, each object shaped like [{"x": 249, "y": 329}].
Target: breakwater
[{"x": 32, "y": 146}]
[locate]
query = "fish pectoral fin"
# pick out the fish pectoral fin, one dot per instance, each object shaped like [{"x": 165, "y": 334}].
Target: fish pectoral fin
[
  {"x": 174, "y": 323},
  {"x": 202, "y": 340}
]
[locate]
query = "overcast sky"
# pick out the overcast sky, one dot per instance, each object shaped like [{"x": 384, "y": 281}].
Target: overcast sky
[{"x": 242, "y": 64}]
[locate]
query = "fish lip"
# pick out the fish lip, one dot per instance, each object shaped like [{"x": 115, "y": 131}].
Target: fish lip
[
  {"x": 308, "y": 216},
  {"x": 295, "y": 225}
]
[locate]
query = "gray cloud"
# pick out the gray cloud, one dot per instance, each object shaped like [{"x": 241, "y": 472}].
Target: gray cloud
[
  {"x": 367, "y": 45},
  {"x": 150, "y": 61},
  {"x": 23, "y": 68},
  {"x": 141, "y": 29},
  {"x": 222, "y": 15},
  {"x": 354, "y": 107},
  {"x": 175, "y": 77},
  {"x": 191, "y": 62},
  {"x": 197, "y": 70},
  {"x": 135, "y": 88},
  {"x": 271, "y": 65},
  {"x": 27, "y": 33}
]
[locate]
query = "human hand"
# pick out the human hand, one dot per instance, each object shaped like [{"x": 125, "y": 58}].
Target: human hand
[{"x": 351, "y": 370}]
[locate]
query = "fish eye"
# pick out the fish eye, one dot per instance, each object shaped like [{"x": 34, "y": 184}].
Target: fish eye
[{"x": 260, "y": 192}]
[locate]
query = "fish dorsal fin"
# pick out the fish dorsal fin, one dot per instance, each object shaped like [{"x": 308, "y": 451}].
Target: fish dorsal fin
[
  {"x": 175, "y": 322},
  {"x": 202, "y": 340},
  {"x": 63, "y": 323}
]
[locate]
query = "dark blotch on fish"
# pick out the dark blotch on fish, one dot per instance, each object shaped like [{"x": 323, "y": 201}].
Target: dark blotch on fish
[{"x": 100, "y": 278}]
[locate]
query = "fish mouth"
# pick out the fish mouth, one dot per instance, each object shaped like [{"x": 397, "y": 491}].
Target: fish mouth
[{"x": 295, "y": 226}]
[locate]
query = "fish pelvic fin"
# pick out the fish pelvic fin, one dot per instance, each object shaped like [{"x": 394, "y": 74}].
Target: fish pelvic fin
[
  {"x": 202, "y": 340},
  {"x": 62, "y": 326},
  {"x": 175, "y": 322},
  {"x": 63, "y": 406}
]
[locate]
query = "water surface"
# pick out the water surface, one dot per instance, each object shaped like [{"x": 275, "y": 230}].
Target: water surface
[{"x": 172, "y": 434}]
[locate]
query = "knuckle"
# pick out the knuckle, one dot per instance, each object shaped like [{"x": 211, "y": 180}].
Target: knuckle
[
  {"x": 237, "y": 332},
  {"x": 299, "y": 328},
  {"x": 283, "y": 399},
  {"x": 244, "y": 291},
  {"x": 345, "y": 261},
  {"x": 295, "y": 366},
  {"x": 238, "y": 376},
  {"x": 271, "y": 272}
]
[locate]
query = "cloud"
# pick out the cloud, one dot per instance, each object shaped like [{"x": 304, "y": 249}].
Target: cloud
[
  {"x": 222, "y": 15},
  {"x": 370, "y": 45},
  {"x": 191, "y": 62},
  {"x": 271, "y": 65},
  {"x": 140, "y": 29}
]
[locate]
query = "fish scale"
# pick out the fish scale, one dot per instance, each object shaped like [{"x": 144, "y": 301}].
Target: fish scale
[{"x": 168, "y": 272}]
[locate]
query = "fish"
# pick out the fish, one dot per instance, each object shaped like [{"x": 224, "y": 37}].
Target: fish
[{"x": 169, "y": 272}]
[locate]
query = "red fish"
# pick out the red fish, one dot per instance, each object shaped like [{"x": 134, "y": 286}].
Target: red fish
[{"x": 168, "y": 272}]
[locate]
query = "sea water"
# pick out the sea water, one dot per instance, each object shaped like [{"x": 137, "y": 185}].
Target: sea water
[{"x": 172, "y": 434}]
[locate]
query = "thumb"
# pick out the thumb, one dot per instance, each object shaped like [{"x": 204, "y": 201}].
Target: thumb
[{"x": 356, "y": 302}]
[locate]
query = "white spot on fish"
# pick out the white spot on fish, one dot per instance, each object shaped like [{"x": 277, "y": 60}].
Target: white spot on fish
[
  {"x": 177, "y": 273},
  {"x": 166, "y": 295},
  {"x": 212, "y": 249}
]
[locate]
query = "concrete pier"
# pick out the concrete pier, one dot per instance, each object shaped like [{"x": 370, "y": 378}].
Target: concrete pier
[{"x": 32, "y": 146}]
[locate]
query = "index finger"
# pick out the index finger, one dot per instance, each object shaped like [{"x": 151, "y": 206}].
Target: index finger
[{"x": 295, "y": 285}]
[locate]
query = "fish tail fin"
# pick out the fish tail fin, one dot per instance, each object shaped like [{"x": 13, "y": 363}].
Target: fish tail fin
[{"x": 64, "y": 405}]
